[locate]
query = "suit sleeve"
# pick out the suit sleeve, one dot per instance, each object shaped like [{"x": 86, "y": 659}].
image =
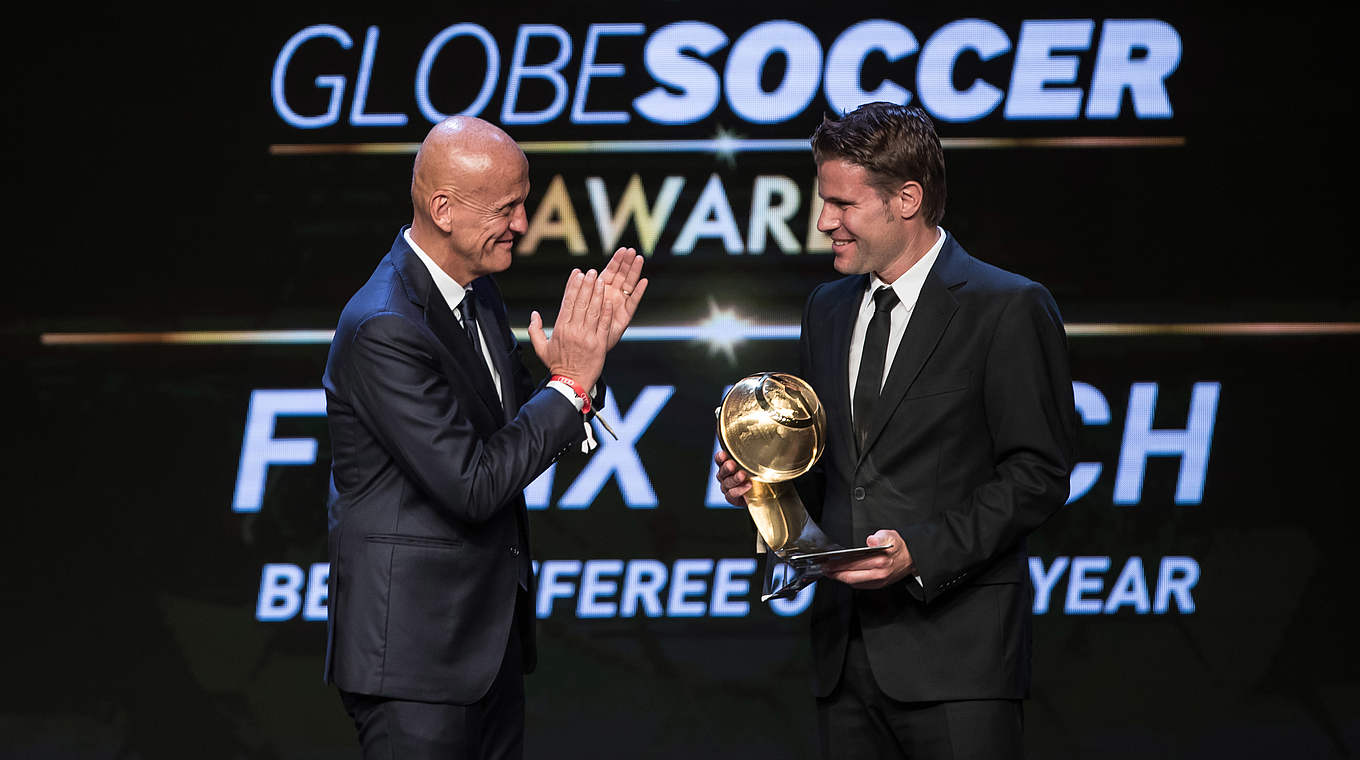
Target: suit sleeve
[
  {"x": 1027, "y": 393},
  {"x": 401, "y": 393},
  {"x": 523, "y": 382}
]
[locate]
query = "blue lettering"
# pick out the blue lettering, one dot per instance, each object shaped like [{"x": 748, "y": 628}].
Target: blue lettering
[
  {"x": 1079, "y": 583},
  {"x": 590, "y": 69},
  {"x": 260, "y": 448},
  {"x": 334, "y": 82},
  {"x": 1130, "y": 589},
  {"x": 357, "y": 117},
  {"x": 1144, "y": 78},
  {"x": 620, "y": 457},
  {"x": 642, "y": 583},
  {"x": 1176, "y": 577},
  {"x": 593, "y": 586},
  {"x": 1190, "y": 444},
  {"x": 280, "y": 593},
  {"x": 432, "y": 51},
  {"x": 1094, "y": 410},
  {"x": 726, "y": 584},
  {"x": 845, "y": 63},
  {"x": 550, "y": 72},
  {"x": 935, "y": 75},
  {"x": 1036, "y": 67},
  {"x": 684, "y": 585},
  {"x": 748, "y": 58},
  {"x": 699, "y": 86}
]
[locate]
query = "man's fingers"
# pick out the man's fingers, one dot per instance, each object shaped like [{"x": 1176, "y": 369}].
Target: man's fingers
[
  {"x": 537, "y": 337},
  {"x": 595, "y": 306},
  {"x": 869, "y": 564},
  {"x": 737, "y": 476},
  {"x": 586, "y": 291},
  {"x": 857, "y": 578},
  {"x": 569, "y": 295},
  {"x": 633, "y": 272},
  {"x": 729, "y": 469},
  {"x": 616, "y": 268},
  {"x": 606, "y": 315},
  {"x": 633, "y": 300}
]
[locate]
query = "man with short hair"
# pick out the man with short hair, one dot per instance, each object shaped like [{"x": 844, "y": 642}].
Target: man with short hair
[
  {"x": 436, "y": 429},
  {"x": 952, "y": 428}
]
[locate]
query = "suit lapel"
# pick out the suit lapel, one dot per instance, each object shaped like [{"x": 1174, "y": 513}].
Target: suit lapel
[
  {"x": 454, "y": 338},
  {"x": 490, "y": 313},
  {"x": 934, "y": 309},
  {"x": 439, "y": 318},
  {"x": 842, "y": 322}
]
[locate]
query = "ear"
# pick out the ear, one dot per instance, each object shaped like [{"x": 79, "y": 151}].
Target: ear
[
  {"x": 911, "y": 195},
  {"x": 441, "y": 211}
]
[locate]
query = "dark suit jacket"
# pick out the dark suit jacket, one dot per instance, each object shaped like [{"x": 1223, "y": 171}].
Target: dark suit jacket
[
  {"x": 970, "y": 450},
  {"x": 428, "y": 530}
]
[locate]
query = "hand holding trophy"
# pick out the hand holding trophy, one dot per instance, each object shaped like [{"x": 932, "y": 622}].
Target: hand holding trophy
[{"x": 773, "y": 426}]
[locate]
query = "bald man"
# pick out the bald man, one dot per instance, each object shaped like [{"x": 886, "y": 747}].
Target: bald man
[{"x": 436, "y": 429}]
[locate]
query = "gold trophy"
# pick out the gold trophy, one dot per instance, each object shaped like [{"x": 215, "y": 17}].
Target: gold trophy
[{"x": 774, "y": 426}]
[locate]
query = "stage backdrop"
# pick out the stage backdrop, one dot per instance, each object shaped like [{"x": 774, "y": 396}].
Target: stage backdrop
[{"x": 193, "y": 199}]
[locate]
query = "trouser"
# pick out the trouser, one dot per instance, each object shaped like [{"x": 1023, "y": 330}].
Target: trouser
[
  {"x": 857, "y": 720},
  {"x": 492, "y": 728}
]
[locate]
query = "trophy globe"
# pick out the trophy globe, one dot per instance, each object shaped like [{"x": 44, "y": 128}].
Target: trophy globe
[{"x": 773, "y": 425}]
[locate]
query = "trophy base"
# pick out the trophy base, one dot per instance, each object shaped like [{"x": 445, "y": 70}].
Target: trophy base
[
  {"x": 786, "y": 576},
  {"x": 817, "y": 558}
]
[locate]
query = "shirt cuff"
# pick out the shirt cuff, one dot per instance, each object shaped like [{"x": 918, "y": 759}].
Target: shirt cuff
[
  {"x": 589, "y": 444},
  {"x": 570, "y": 394}
]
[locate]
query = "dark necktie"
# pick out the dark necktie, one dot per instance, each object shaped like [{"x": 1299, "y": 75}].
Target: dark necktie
[
  {"x": 871, "y": 361},
  {"x": 469, "y": 313},
  {"x": 468, "y": 310}
]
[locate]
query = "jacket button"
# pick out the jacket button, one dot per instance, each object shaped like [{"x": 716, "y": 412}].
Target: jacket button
[
  {"x": 859, "y": 493},
  {"x": 514, "y": 551}
]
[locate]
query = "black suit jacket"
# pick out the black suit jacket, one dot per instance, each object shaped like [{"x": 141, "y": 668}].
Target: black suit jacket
[
  {"x": 428, "y": 529},
  {"x": 970, "y": 450}
]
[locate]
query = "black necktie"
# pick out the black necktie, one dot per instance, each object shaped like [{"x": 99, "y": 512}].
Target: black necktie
[
  {"x": 871, "y": 362},
  {"x": 469, "y": 312}
]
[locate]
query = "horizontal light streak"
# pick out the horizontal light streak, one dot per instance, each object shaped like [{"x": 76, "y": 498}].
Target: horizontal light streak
[
  {"x": 665, "y": 333},
  {"x": 189, "y": 338},
  {"x": 726, "y": 145},
  {"x": 1274, "y": 329}
]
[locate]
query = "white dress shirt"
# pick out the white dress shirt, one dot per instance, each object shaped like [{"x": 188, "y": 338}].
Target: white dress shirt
[
  {"x": 454, "y": 293},
  {"x": 908, "y": 289}
]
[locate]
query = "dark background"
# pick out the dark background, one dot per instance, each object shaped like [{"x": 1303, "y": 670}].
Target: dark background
[{"x": 142, "y": 197}]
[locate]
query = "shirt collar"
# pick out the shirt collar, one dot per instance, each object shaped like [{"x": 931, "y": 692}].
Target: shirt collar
[
  {"x": 908, "y": 286},
  {"x": 448, "y": 287}
]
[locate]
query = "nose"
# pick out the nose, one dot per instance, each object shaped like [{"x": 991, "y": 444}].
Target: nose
[
  {"x": 827, "y": 218},
  {"x": 519, "y": 220}
]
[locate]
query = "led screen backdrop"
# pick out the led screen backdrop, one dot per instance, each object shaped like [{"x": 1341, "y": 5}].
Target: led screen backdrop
[{"x": 193, "y": 200}]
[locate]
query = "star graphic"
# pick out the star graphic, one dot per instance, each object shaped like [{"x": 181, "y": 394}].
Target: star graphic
[
  {"x": 726, "y": 146},
  {"x": 723, "y": 329}
]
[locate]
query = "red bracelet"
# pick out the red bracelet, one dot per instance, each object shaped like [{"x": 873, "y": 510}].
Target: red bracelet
[{"x": 581, "y": 394}]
